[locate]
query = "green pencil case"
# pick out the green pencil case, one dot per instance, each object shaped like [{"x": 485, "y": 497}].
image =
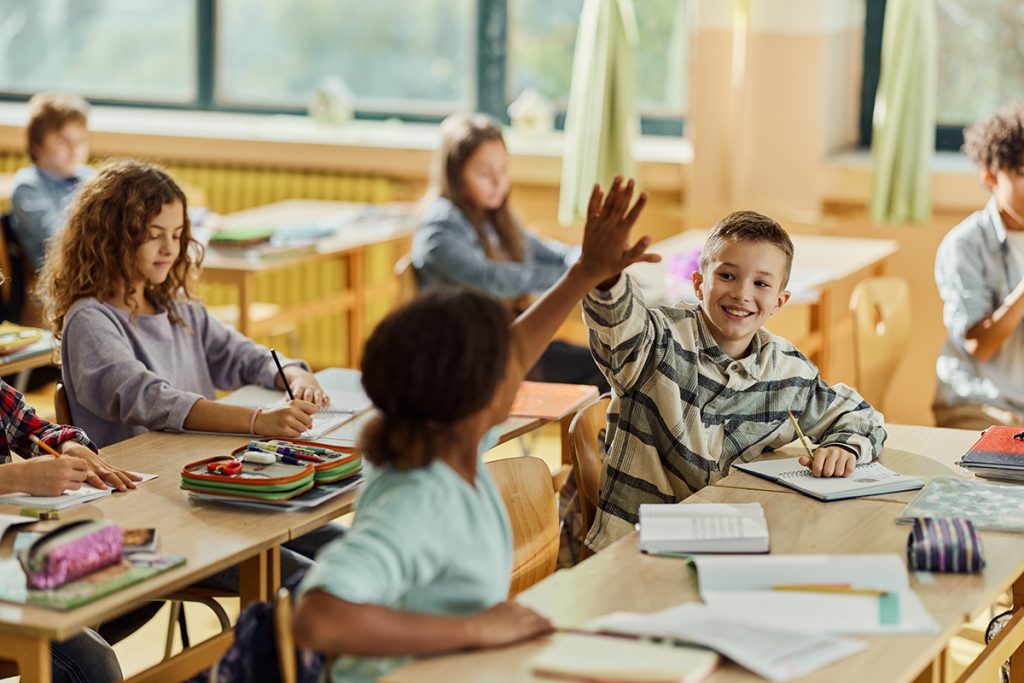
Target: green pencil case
[
  {"x": 251, "y": 495},
  {"x": 342, "y": 463},
  {"x": 280, "y": 480}
]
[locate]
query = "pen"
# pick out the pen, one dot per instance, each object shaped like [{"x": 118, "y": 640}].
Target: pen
[
  {"x": 312, "y": 450},
  {"x": 828, "y": 588},
  {"x": 42, "y": 444},
  {"x": 289, "y": 460},
  {"x": 282, "y": 450},
  {"x": 280, "y": 371},
  {"x": 800, "y": 435}
]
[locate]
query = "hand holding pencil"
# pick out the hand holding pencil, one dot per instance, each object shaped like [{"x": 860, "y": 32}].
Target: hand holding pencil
[{"x": 830, "y": 461}]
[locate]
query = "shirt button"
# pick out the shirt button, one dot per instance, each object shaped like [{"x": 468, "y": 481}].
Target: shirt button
[{"x": 735, "y": 367}]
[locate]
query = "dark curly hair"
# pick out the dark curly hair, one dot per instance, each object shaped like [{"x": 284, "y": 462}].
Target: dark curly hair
[
  {"x": 427, "y": 365},
  {"x": 96, "y": 254},
  {"x": 998, "y": 141}
]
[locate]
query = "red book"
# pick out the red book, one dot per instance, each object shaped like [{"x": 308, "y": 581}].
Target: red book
[{"x": 997, "y": 448}]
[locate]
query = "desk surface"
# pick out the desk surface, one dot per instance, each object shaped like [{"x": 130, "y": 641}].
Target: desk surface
[
  {"x": 818, "y": 260},
  {"x": 621, "y": 578},
  {"x": 362, "y": 225}
]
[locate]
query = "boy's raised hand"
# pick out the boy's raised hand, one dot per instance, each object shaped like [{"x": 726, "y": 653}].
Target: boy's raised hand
[{"x": 606, "y": 248}]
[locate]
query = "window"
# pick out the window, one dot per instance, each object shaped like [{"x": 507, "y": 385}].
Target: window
[
  {"x": 980, "y": 63},
  {"x": 415, "y": 60},
  {"x": 106, "y": 49}
]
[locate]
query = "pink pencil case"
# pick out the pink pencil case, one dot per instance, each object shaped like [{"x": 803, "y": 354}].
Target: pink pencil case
[{"x": 71, "y": 551}]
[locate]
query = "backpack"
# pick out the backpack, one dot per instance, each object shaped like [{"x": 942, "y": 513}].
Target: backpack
[{"x": 252, "y": 656}]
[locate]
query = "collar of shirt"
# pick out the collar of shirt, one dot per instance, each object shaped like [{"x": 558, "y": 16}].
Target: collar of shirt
[
  {"x": 998, "y": 231},
  {"x": 60, "y": 180},
  {"x": 753, "y": 363}
]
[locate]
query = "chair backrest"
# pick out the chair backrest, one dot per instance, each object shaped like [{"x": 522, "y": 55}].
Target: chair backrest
[
  {"x": 283, "y": 636},
  {"x": 987, "y": 665},
  {"x": 587, "y": 451},
  {"x": 525, "y": 486},
  {"x": 881, "y": 331},
  {"x": 60, "y": 404},
  {"x": 406, "y": 275},
  {"x": 5, "y": 260}
]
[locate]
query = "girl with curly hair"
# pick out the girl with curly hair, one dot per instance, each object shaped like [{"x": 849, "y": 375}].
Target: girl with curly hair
[{"x": 138, "y": 351}]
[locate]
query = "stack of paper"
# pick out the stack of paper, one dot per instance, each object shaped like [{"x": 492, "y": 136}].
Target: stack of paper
[
  {"x": 596, "y": 659},
  {"x": 703, "y": 528}
]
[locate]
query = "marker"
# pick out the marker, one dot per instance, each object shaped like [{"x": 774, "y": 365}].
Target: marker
[
  {"x": 282, "y": 450},
  {"x": 312, "y": 450},
  {"x": 289, "y": 460}
]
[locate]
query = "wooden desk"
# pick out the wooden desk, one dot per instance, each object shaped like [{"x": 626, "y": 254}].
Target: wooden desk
[
  {"x": 825, "y": 271},
  {"x": 342, "y": 288},
  {"x": 621, "y": 578},
  {"x": 18, "y": 362}
]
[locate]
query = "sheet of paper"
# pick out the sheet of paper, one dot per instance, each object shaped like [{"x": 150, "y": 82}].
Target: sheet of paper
[
  {"x": 773, "y": 652},
  {"x": 66, "y": 499},
  {"x": 7, "y": 521}
]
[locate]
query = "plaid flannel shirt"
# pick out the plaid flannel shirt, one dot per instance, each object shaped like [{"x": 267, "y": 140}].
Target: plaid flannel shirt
[
  {"x": 18, "y": 421},
  {"x": 682, "y": 411}
]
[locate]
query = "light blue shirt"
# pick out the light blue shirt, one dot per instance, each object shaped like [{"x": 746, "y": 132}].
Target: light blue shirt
[
  {"x": 975, "y": 272},
  {"x": 39, "y": 206},
  {"x": 447, "y": 251},
  {"x": 423, "y": 541}
]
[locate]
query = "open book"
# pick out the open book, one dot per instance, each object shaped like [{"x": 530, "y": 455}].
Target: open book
[
  {"x": 703, "y": 528},
  {"x": 870, "y": 479},
  {"x": 341, "y": 385},
  {"x": 67, "y": 499}
]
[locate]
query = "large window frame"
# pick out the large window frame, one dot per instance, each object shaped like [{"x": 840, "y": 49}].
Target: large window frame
[
  {"x": 947, "y": 138},
  {"x": 490, "y": 80}
]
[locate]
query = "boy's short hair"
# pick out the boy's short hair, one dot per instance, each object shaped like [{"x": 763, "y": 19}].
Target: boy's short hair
[
  {"x": 998, "y": 141},
  {"x": 747, "y": 226},
  {"x": 50, "y": 112}
]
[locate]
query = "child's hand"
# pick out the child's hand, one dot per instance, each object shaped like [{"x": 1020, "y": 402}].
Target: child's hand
[
  {"x": 831, "y": 461},
  {"x": 101, "y": 473},
  {"x": 606, "y": 250},
  {"x": 306, "y": 388},
  {"x": 508, "y": 622},
  {"x": 291, "y": 419},
  {"x": 46, "y": 475}
]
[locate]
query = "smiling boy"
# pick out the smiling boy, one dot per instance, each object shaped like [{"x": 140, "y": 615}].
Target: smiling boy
[{"x": 698, "y": 386}]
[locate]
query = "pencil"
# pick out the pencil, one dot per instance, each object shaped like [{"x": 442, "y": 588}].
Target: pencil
[
  {"x": 45, "y": 446},
  {"x": 280, "y": 371},
  {"x": 800, "y": 435},
  {"x": 827, "y": 588}
]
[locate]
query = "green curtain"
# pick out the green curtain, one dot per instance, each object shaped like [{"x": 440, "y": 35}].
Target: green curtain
[
  {"x": 903, "y": 126},
  {"x": 600, "y": 123}
]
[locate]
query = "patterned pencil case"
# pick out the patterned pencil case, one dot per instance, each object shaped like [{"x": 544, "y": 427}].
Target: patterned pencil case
[
  {"x": 71, "y": 551},
  {"x": 945, "y": 544}
]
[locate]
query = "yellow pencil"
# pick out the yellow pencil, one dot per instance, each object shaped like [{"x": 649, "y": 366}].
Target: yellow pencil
[
  {"x": 826, "y": 588},
  {"x": 800, "y": 435},
  {"x": 39, "y": 442}
]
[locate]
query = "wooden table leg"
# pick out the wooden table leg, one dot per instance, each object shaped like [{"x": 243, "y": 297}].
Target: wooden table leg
[
  {"x": 566, "y": 445},
  {"x": 32, "y": 656},
  {"x": 357, "y": 314},
  {"x": 245, "y": 298},
  {"x": 259, "y": 576}
]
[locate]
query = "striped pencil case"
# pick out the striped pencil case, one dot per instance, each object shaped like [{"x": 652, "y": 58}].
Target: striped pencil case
[{"x": 944, "y": 544}]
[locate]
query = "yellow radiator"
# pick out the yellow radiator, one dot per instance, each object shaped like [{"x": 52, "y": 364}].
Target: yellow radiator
[{"x": 224, "y": 189}]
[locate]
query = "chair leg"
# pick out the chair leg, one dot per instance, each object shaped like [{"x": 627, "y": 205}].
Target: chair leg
[{"x": 171, "y": 622}]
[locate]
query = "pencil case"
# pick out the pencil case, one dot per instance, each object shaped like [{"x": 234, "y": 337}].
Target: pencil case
[
  {"x": 71, "y": 551},
  {"x": 274, "y": 481},
  {"x": 944, "y": 544},
  {"x": 343, "y": 461}
]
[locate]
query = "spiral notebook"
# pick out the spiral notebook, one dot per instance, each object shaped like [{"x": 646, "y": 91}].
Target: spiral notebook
[{"x": 869, "y": 479}]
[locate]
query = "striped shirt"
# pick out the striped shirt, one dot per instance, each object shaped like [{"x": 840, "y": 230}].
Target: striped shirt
[{"x": 682, "y": 411}]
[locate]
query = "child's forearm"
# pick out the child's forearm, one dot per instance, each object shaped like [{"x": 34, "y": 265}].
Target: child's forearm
[
  {"x": 210, "y": 416},
  {"x": 334, "y": 626},
  {"x": 986, "y": 338}
]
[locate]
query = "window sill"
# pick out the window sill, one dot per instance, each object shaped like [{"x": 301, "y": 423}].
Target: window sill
[
  {"x": 393, "y": 148},
  {"x": 846, "y": 180}
]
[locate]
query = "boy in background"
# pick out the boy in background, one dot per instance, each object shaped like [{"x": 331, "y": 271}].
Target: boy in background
[
  {"x": 978, "y": 271},
  {"x": 58, "y": 144},
  {"x": 697, "y": 387}
]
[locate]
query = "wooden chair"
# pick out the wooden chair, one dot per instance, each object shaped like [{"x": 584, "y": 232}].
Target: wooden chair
[
  {"x": 525, "y": 486},
  {"x": 406, "y": 275},
  {"x": 60, "y": 404},
  {"x": 986, "y": 667},
  {"x": 587, "y": 452},
  {"x": 283, "y": 636},
  {"x": 881, "y": 331}
]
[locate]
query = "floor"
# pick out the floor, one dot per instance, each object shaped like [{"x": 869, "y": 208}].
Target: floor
[{"x": 145, "y": 647}]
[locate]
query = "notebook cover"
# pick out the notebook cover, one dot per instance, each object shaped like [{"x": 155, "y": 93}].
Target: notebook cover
[
  {"x": 996, "y": 447},
  {"x": 991, "y": 507}
]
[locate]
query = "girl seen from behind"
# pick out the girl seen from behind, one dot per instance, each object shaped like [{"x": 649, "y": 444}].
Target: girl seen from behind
[{"x": 426, "y": 566}]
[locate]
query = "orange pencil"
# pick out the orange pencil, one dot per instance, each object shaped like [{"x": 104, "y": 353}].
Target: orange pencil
[{"x": 42, "y": 444}]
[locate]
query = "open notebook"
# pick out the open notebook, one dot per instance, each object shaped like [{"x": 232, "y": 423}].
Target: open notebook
[
  {"x": 67, "y": 499},
  {"x": 869, "y": 479},
  {"x": 703, "y": 528},
  {"x": 597, "y": 658},
  {"x": 342, "y": 386}
]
